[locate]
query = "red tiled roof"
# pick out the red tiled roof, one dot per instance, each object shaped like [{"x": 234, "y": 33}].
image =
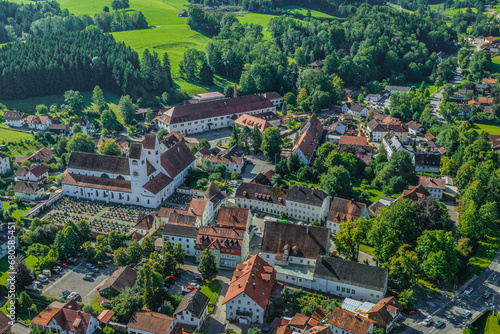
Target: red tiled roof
[
  {"x": 485, "y": 100},
  {"x": 13, "y": 115},
  {"x": 299, "y": 321},
  {"x": 97, "y": 182},
  {"x": 490, "y": 81},
  {"x": 145, "y": 221},
  {"x": 431, "y": 182},
  {"x": 43, "y": 154},
  {"x": 490, "y": 39},
  {"x": 252, "y": 121},
  {"x": 415, "y": 192},
  {"x": 342, "y": 210},
  {"x": 353, "y": 140},
  {"x": 349, "y": 322},
  {"x": 25, "y": 187},
  {"x": 219, "y": 159},
  {"x": 36, "y": 119},
  {"x": 176, "y": 159},
  {"x": 151, "y": 322},
  {"x": 106, "y": 315},
  {"x": 429, "y": 136},
  {"x": 149, "y": 142},
  {"x": 157, "y": 183},
  {"x": 254, "y": 277},
  {"x": 69, "y": 317},
  {"x": 233, "y": 217},
  {"x": 197, "y": 206}
]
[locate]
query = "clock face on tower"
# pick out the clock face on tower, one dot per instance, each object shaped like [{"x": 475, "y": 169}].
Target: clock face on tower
[{"x": 135, "y": 173}]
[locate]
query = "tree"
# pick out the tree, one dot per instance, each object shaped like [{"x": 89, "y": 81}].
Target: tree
[
  {"x": 77, "y": 128},
  {"x": 161, "y": 134},
  {"x": 272, "y": 143},
  {"x": 254, "y": 330},
  {"x": 256, "y": 139},
  {"x": 68, "y": 239},
  {"x": 114, "y": 241},
  {"x": 167, "y": 308},
  {"x": 403, "y": 266},
  {"x": 405, "y": 298},
  {"x": 106, "y": 10},
  {"x": 149, "y": 116},
  {"x": 169, "y": 262},
  {"x": 24, "y": 302},
  {"x": 74, "y": 100},
  {"x": 337, "y": 182},
  {"x": 148, "y": 247},
  {"x": 127, "y": 109},
  {"x": 206, "y": 75},
  {"x": 81, "y": 142},
  {"x": 22, "y": 277},
  {"x": 109, "y": 121},
  {"x": 206, "y": 165},
  {"x": 302, "y": 95},
  {"x": 125, "y": 304},
  {"x": 349, "y": 236},
  {"x": 98, "y": 99},
  {"x": 293, "y": 163},
  {"x": 205, "y": 143},
  {"x": 437, "y": 255},
  {"x": 110, "y": 147},
  {"x": 431, "y": 214},
  {"x": 300, "y": 57},
  {"x": 121, "y": 257},
  {"x": 290, "y": 99},
  {"x": 179, "y": 254},
  {"x": 38, "y": 250},
  {"x": 41, "y": 109},
  {"x": 135, "y": 252},
  {"x": 208, "y": 266},
  {"x": 234, "y": 175},
  {"x": 235, "y": 136}
]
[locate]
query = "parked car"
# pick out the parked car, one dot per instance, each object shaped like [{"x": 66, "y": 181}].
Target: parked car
[
  {"x": 185, "y": 291},
  {"x": 98, "y": 288},
  {"x": 465, "y": 314},
  {"x": 78, "y": 254},
  {"x": 74, "y": 295},
  {"x": 56, "y": 270},
  {"x": 90, "y": 266},
  {"x": 95, "y": 270},
  {"x": 487, "y": 295},
  {"x": 468, "y": 291},
  {"x": 64, "y": 294},
  {"x": 172, "y": 278},
  {"x": 93, "y": 274},
  {"x": 88, "y": 277},
  {"x": 195, "y": 285},
  {"x": 42, "y": 278},
  {"x": 191, "y": 288},
  {"x": 102, "y": 265},
  {"x": 439, "y": 324},
  {"x": 413, "y": 312},
  {"x": 198, "y": 278},
  {"x": 73, "y": 261},
  {"x": 107, "y": 261},
  {"x": 427, "y": 321}
]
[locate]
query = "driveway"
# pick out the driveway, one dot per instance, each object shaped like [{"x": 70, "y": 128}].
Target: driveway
[
  {"x": 72, "y": 279},
  {"x": 260, "y": 165}
]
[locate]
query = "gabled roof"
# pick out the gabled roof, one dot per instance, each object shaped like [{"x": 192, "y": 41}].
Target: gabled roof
[
  {"x": 172, "y": 138},
  {"x": 260, "y": 192},
  {"x": 385, "y": 307},
  {"x": 81, "y": 121},
  {"x": 212, "y": 189},
  {"x": 145, "y": 221},
  {"x": 299, "y": 321},
  {"x": 355, "y": 107},
  {"x": 255, "y": 278},
  {"x": 414, "y": 125},
  {"x": 219, "y": 159},
  {"x": 38, "y": 119},
  {"x": 427, "y": 159},
  {"x": 351, "y": 273},
  {"x": 400, "y": 88},
  {"x": 105, "y": 316},
  {"x": 353, "y": 140},
  {"x": 25, "y": 187},
  {"x": 414, "y": 192},
  {"x": 273, "y": 96},
  {"x": 157, "y": 183},
  {"x": 306, "y": 195},
  {"x": 197, "y": 206},
  {"x": 151, "y": 322},
  {"x": 97, "y": 182},
  {"x": 43, "y": 154},
  {"x": 349, "y": 322},
  {"x": 252, "y": 121},
  {"x": 233, "y": 217},
  {"x": 432, "y": 182},
  {"x": 39, "y": 170},
  {"x": 195, "y": 302},
  {"x": 342, "y": 210},
  {"x": 490, "y": 81},
  {"x": 220, "y": 238},
  {"x": 149, "y": 142},
  {"x": 181, "y": 226},
  {"x": 69, "y": 317},
  {"x": 308, "y": 241},
  {"x": 490, "y": 39},
  {"x": 122, "y": 278},
  {"x": 13, "y": 116},
  {"x": 4, "y": 323},
  {"x": 429, "y": 136},
  {"x": 99, "y": 163},
  {"x": 176, "y": 159}
]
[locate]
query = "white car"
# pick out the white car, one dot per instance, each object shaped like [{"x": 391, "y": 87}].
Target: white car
[
  {"x": 194, "y": 284},
  {"x": 465, "y": 314},
  {"x": 73, "y": 295},
  {"x": 468, "y": 291},
  {"x": 427, "y": 321},
  {"x": 42, "y": 278}
]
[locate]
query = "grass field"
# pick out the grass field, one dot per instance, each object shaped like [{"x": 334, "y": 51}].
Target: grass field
[
  {"x": 303, "y": 11},
  {"x": 212, "y": 291},
  {"x": 451, "y": 12},
  {"x": 366, "y": 249},
  {"x": 374, "y": 194},
  {"x": 491, "y": 325},
  {"x": 260, "y": 19},
  {"x": 491, "y": 129},
  {"x": 484, "y": 254},
  {"x": 495, "y": 64},
  {"x": 9, "y": 135},
  {"x": 31, "y": 261},
  {"x": 398, "y": 8},
  {"x": 18, "y": 213}
]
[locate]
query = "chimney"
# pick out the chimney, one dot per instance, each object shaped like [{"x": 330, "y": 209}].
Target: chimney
[
  {"x": 235, "y": 91},
  {"x": 239, "y": 285}
]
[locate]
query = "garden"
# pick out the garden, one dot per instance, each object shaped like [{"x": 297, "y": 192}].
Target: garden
[{"x": 212, "y": 291}]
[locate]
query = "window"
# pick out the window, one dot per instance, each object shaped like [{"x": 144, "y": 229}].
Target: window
[
  {"x": 348, "y": 290},
  {"x": 353, "y": 292},
  {"x": 343, "y": 289}
]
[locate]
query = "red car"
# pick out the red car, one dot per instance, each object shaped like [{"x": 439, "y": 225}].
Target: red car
[
  {"x": 98, "y": 288},
  {"x": 413, "y": 312},
  {"x": 172, "y": 278},
  {"x": 102, "y": 265},
  {"x": 250, "y": 162},
  {"x": 190, "y": 287}
]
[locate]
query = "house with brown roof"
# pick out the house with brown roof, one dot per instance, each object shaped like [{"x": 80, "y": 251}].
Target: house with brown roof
[
  {"x": 249, "y": 291},
  {"x": 146, "y": 177},
  {"x": 65, "y": 318},
  {"x": 393, "y": 144},
  {"x": 264, "y": 178},
  {"x": 14, "y": 118},
  {"x": 28, "y": 191},
  {"x": 491, "y": 40},
  {"x": 122, "y": 143},
  {"x": 228, "y": 245},
  {"x": 150, "y": 323},
  {"x": 298, "y": 323},
  {"x": 316, "y": 65},
  {"x": 43, "y": 155},
  {"x": 191, "y": 312},
  {"x": 210, "y": 96},
  {"x": 34, "y": 174},
  {"x": 5, "y": 324},
  {"x": 342, "y": 210},
  {"x": 414, "y": 128},
  {"x": 146, "y": 225},
  {"x": 386, "y": 313},
  {"x": 275, "y": 98},
  {"x": 435, "y": 186},
  {"x": 414, "y": 193},
  {"x": 490, "y": 81},
  {"x": 343, "y": 321},
  {"x": 335, "y": 130},
  {"x": 259, "y": 197},
  {"x": 427, "y": 162},
  {"x": 252, "y": 122},
  {"x": 182, "y": 228},
  {"x": 234, "y": 217},
  {"x": 232, "y": 163},
  {"x": 355, "y": 109},
  {"x": 39, "y": 122},
  {"x": 120, "y": 279},
  {"x": 212, "y": 115},
  {"x": 495, "y": 142},
  {"x": 357, "y": 145},
  {"x": 307, "y": 204},
  {"x": 379, "y": 130},
  {"x": 309, "y": 138}
]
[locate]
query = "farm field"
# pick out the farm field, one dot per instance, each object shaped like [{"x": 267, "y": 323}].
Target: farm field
[
  {"x": 261, "y": 19},
  {"x": 451, "y": 12},
  {"x": 491, "y": 129},
  {"x": 9, "y": 135},
  {"x": 495, "y": 64},
  {"x": 303, "y": 11}
]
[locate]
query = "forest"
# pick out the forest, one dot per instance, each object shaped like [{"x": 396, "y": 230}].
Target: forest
[
  {"x": 18, "y": 21},
  {"x": 54, "y": 63}
]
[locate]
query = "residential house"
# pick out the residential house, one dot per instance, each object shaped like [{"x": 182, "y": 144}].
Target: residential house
[
  {"x": 28, "y": 191},
  {"x": 202, "y": 208},
  {"x": 43, "y": 155},
  {"x": 355, "y": 109},
  {"x": 264, "y": 178},
  {"x": 59, "y": 129},
  {"x": 495, "y": 142},
  {"x": 83, "y": 122},
  {"x": 251, "y": 122},
  {"x": 292, "y": 244},
  {"x": 249, "y": 291},
  {"x": 435, "y": 186},
  {"x": 14, "y": 118},
  {"x": 317, "y": 65},
  {"x": 334, "y": 131},
  {"x": 441, "y": 56},
  {"x": 233, "y": 164},
  {"x": 414, "y": 193},
  {"x": 121, "y": 279},
  {"x": 386, "y": 313},
  {"x": 309, "y": 137},
  {"x": 35, "y": 174},
  {"x": 374, "y": 97},
  {"x": 183, "y": 229},
  {"x": 358, "y": 146},
  {"x": 275, "y": 98},
  {"x": 307, "y": 204},
  {"x": 235, "y": 218},
  {"x": 182, "y": 13},
  {"x": 415, "y": 128},
  {"x": 430, "y": 137},
  {"x": 67, "y": 318},
  {"x": 343, "y": 321},
  {"x": 427, "y": 162},
  {"x": 8, "y": 239},
  {"x": 491, "y": 40},
  {"x": 342, "y": 210},
  {"x": 258, "y": 197},
  {"x": 392, "y": 144},
  {"x": 376, "y": 207},
  {"x": 5, "y": 324},
  {"x": 146, "y": 225},
  {"x": 298, "y": 323},
  {"x": 4, "y": 163},
  {"x": 210, "y": 96},
  {"x": 150, "y": 323},
  {"x": 229, "y": 246},
  {"x": 212, "y": 115},
  {"x": 122, "y": 143},
  {"x": 39, "y": 122},
  {"x": 379, "y": 130},
  {"x": 191, "y": 312},
  {"x": 490, "y": 81},
  {"x": 397, "y": 89}
]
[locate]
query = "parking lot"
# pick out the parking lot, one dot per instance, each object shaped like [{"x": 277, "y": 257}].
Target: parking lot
[{"x": 71, "y": 278}]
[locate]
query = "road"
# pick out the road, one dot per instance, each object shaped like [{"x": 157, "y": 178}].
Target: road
[{"x": 449, "y": 307}]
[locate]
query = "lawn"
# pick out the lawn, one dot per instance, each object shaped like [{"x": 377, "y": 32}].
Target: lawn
[
  {"x": 495, "y": 9},
  {"x": 491, "y": 325},
  {"x": 9, "y": 135},
  {"x": 212, "y": 291},
  {"x": 485, "y": 253},
  {"x": 303, "y": 11},
  {"x": 495, "y": 64},
  {"x": 374, "y": 194},
  {"x": 18, "y": 213},
  {"x": 451, "y": 12},
  {"x": 292, "y": 179},
  {"x": 400, "y": 8},
  {"x": 31, "y": 261},
  {"x": 261, "y": 19},
  {"x": 366, "y": 249},
  {"x": 490, "y": 128}
]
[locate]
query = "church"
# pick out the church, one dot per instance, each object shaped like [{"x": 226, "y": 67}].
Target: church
[{"x": 146, "y": 177}]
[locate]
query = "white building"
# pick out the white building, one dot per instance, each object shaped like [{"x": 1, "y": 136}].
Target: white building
[
  {"x": 335, "y": 130},
  {"x": 379, "y": 130},
  {"x": 145, "y": 178},
  {"x": 35, "y": 174},
  {"x": 249, "y": 291},
  {"x": 28, "y": 191},
  {"x": 275, "y": 98},
  {"x": 14, "y": 118},
  {"x": 4, "y": 163},
  {"x": 5, "y": 232},
  {"x": 191, "y": 312},
  {"x": 397, "y": 89},
  {"x": 212, "y": 115},
  {"x": 307, "y": 204},
  {"x": 233, "y": 164},
  {"x": 355, "y": 109},
  {"x": 427, "y": 162},
  {"x": 258, "y": 197},
  {"x": 392, "y": 144},
  {"x": 182, "y": 229},
  {"x": 342, "y": 210},
  {"x": 415, "y": 128},
  {"x": 434, "y": 186},
  {"x": 39, "y": 122},
  {"x": 150, "y": 323},
  {"x": 228, "y": 245},
  {"x": 65, "y": 318},
  {"x": 309, "y": 137},
  {"x": 83, "y": 122},
  {"x": 373, "y": 97},
  {"x": 211, "y": 96}
]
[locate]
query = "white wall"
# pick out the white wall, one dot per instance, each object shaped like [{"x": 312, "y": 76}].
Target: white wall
[
  {"x": 188, "y": 244},
  {"x": 260, "y": 205},
  {"x": 244, "y": 303},
  {"x": 308, "y": 212},
  {"x": 4, "y": 165}
]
